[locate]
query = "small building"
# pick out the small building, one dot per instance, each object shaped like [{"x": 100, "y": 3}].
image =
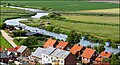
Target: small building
[
  {"x": 77, "y": 50},
  {"x": 62, "y": 57},
  {"x": 37, "y": 54},
  {"x": 89, "y": 55},
  {"x": 4, "y": 57},
  {"x": 23, "y": 51},
  {"x": 102, "y": 55},
  {"x": 46, "y": 55},
  {"x": 51, "y": 43},
  {"x": 62, "y": 45}
]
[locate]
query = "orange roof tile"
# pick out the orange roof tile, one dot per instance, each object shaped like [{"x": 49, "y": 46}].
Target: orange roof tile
[
  {"x": 102, "y": 55},
  {"x": 105, "y": 54},
  {"x": 62, "y": 45},
  {"x": 88, "y": 53},
  {"x": 49, "y": 42},
  {"x": 76, "y": 48}
]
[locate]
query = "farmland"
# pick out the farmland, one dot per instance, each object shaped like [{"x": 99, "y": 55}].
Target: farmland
[
  {"x": 99, "y": 30},
  {"x": 7, "y": 13},
  {"x": 65, "y": 5},
  {"x": 94, "y": 19},
  {"x": 107, "y": 11}
]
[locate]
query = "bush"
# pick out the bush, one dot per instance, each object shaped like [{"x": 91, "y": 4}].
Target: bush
[
  {"x": 49, "y": 28},
  {"x": 19, "y": 33},
  {"x": 56, "y": 30}
]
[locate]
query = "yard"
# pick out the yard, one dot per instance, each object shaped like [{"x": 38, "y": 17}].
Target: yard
[{"x": 3, "y": 42}]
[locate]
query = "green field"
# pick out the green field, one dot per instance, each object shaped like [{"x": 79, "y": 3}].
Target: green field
[
  {"x": 99, "y": 30},
  {"x": 106, "y": 11},
  {"x": 66, "y": 5},
  {"x": 7, "y": 12},
  {"x": 3, "y": 42},
  {"x": 94, "y": 19}
]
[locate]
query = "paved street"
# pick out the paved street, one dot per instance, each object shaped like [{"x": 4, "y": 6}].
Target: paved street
[{"x": 8, "y": 38}]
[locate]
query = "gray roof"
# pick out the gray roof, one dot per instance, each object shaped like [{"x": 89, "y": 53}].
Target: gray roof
[
  {"x": 21, "y": 49},
  {"x": 38, "y": 52},
  {"x": 49, "y": 50},
  {"x": 3, "y": 55},
  {"x": 60, "y": 53}
]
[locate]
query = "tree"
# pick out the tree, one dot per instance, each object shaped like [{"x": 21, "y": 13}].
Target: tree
[
  {"x": 95, "y": 47},
  {"x": 50, "y": 28},
  {"x": 114, "y": 60},
  {"x": 101, "y": 48},
  {"x": 106, "y": 60},
  {"x": 56, "y": 30},
  {"x": 88, "y": 46},
  {"x": 30, "y": 41},
  {"x": 73, "y": 37}
]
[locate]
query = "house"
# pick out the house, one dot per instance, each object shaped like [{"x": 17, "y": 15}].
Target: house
[
  {"x": 37, "y": 54},
  {"x": 62, "y": 45},
  {"x": 51, "y": 43},
  {"x": 88, "y": 55},
  {"x": 102, "y": 55},
  {"x": 77, "y": 50},
  {"x": 62, "y": 57},
  {"x": 105, "y": 63},
  {"x": 4, "y": 57},
  {"x": 46, "y": 55},
  {"x": 23, "y": 51}
]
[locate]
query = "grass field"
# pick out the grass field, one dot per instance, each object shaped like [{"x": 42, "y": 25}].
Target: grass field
[
  {"x": 95, "y": 19},
  {"x": 66, "y": 5},
  {"x": 106, "y": 11},
  {"x": 11, "y": 13},
  {"x": 3, "y": 42},
  {"x": 99, "y": 30}
]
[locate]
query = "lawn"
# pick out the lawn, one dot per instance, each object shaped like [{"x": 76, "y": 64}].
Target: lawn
[
  {"x": 95, "y": 19},
  {"x": 104, "y": 31},
  {"x": 3, "y": 42},
  {"x": 66, "y": 5}
]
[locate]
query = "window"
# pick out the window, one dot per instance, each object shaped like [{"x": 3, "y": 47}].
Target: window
[
  {"x": 46, "y": 56},
  {"x": 61, "y": 61},
  {"x": 51, "y": 58},
  {"x": 43, "y": 56},
  {"x": 48, "y": 59}
]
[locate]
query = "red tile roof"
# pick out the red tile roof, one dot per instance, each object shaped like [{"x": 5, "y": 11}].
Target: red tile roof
[
  {"x": 62, "y": 45},
  {"x": 102, "y": 55},
  {"x": 49, "y": 42},
  {"x": 107, "y": 63},
  {"x": 76, "y": 48},
  {"x": 0, "y": 49},
  {"x": 17, "y": 47},
  {"x": 88, "y": 53},
  {"x": 13, "y": 49}
]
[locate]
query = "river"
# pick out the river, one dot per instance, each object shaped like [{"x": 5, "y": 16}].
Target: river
[{"x": 41, "y": 13}]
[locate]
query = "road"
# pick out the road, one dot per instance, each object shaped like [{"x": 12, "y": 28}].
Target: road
[{"x": 8, "y": 38}]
